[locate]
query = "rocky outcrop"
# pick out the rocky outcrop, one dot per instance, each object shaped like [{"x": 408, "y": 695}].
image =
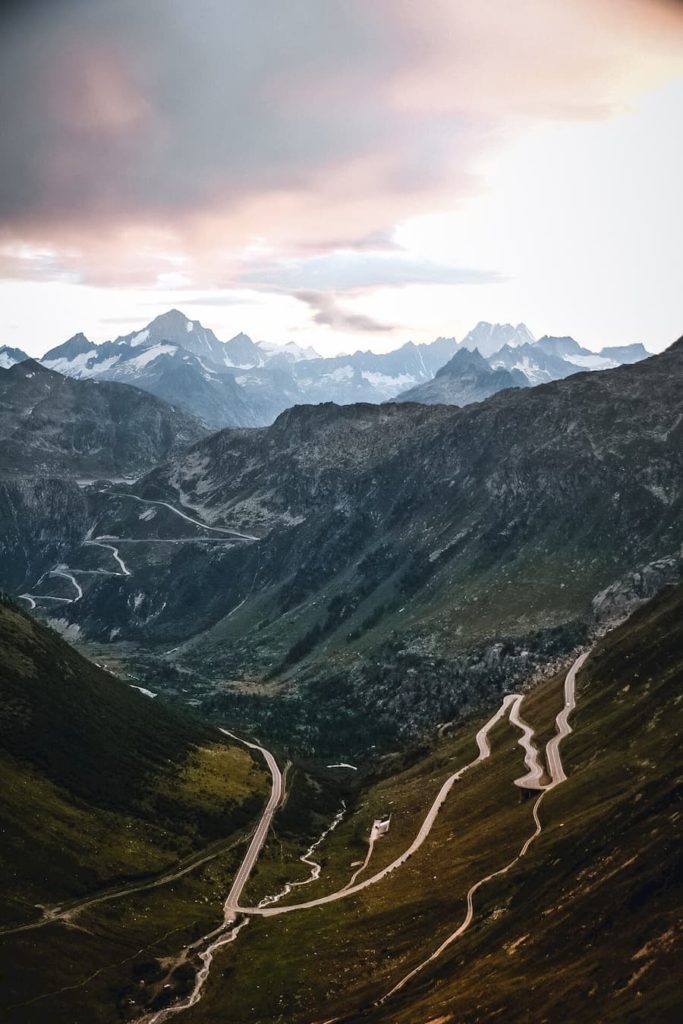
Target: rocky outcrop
[{"x": 615, "y": 603}]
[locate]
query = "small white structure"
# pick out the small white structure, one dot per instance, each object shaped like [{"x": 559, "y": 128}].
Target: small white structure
[{"x": 380, "y": 826}]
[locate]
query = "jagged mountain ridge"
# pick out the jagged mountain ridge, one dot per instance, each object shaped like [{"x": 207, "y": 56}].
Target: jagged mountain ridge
[
  {"x": 9, "y": 356},
  {"x": 240, "y": 382},
  {"x": 243, "y": 383},
  {"x": 466, "y": 378},
  {"x": 489, "y": 338}
]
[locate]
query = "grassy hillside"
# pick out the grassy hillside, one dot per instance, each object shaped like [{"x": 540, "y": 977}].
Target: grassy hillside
[
  {"x": 586, "y": 927},
  {"x": 99, "y": 783},
  {"x": 102, "y": 791}
]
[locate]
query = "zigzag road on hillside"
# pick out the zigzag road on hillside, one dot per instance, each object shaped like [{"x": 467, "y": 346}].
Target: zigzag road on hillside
[
  {"x": 103, "y": 542},
  {"x": 557, "y": 777},
  {"x": 232, "y": 910}
]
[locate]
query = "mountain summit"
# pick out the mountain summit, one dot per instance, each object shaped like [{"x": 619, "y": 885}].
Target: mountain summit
[
  {"x": 466, "y": 378},
  {"x": 489, "y": 338}
]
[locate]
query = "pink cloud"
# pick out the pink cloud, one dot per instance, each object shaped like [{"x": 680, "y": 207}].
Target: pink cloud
[{"x": 165, "y": 135}]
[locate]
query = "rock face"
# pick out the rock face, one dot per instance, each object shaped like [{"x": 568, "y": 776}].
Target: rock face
[
  {"x": 616, "y": 602},
  {"x": 53, "y": 424},
  {"x": 465, "y": 379},
  {"x": 355, "y": 552},
  {"x": 41, "y": 520}
]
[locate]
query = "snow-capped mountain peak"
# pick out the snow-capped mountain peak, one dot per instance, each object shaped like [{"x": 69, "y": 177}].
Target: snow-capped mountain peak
[
  {"x": 241, "y": 383},
  {"x": 490, "y": 338},
  {"x": 11, "y": 356},
  {"x": 290, "y": 351}
]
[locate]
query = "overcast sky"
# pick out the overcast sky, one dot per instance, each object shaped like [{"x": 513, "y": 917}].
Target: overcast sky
[{"x": 342, "y": 173}]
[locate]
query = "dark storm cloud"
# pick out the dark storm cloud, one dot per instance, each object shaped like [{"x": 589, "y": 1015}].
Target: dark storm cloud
[
  {"x": 328, "y": 313},
  {"x": 138, "y": 131},
  {"x": 165, "y": 105}
]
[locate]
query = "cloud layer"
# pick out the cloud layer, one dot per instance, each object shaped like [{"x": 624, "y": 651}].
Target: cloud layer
[
  {"x": 268, "y": 155},
  {"x": 200, "y": 127}
]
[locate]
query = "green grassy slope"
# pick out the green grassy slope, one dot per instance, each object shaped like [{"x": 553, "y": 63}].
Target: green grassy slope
[
  {"x": 98, "y": 783},
  {"x": 585, "y": 928}
]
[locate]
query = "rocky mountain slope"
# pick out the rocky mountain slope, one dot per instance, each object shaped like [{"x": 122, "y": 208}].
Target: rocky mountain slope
[
  {"x": 51, "y": 424},
  {"x": 385, "y": 565},
  {"x": 465, "y": 379}
]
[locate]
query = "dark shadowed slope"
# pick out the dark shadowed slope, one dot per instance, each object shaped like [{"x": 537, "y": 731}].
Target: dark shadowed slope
[
  {"x": 54, "y": 424},
  {"x": 98, "y": 781}
]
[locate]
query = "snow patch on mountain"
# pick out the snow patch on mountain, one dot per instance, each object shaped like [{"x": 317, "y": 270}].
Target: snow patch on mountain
[
  {"x": 592, "y": 362},
  {"x": 77, "y": 366},
  {"x": 11, "y": 356}
]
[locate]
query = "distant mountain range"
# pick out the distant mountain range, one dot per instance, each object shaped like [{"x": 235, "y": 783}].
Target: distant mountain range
[
  {"x": 466, "y": 378},
  {"x": 242, "y": 383}
]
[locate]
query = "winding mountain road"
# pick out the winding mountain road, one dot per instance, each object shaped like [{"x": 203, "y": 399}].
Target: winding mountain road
[
  {"x": 230, "y": 928},
  {"x": 67, "y": 576},
  {"x": 557, "y": 776},
  {"x": 510, "y": 706},
  {"x": 562, "y": 726},
  {"x": 100, "y": 542},
  {"x": 183, "y": 515},
  {"x": 482, "y": 741},
  {"x": 227, "y": 932},
  {"x": 104, "y": 542},
  {"x": 532, "y": 780}
]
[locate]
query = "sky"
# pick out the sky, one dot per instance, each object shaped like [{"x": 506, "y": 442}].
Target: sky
[{"x": 341, "y": 173}]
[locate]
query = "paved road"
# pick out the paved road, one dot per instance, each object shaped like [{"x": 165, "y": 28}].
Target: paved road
[
  {"x": 183, "y": 515},
  {"x": 32, "y": 598},
  {"x": 557, "y": 776},
  {"x": 534, "y": 775},
  {"x": 562, "y": 726},
  {"x": 70, "y": 578},
  {"x": 100, "y": 542},
  {"x": 231, "y": 905},
  {"x": 228, "y": 931},
  {"x": 484, "y": 747},
  {"x": 103, "y": 542}
]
